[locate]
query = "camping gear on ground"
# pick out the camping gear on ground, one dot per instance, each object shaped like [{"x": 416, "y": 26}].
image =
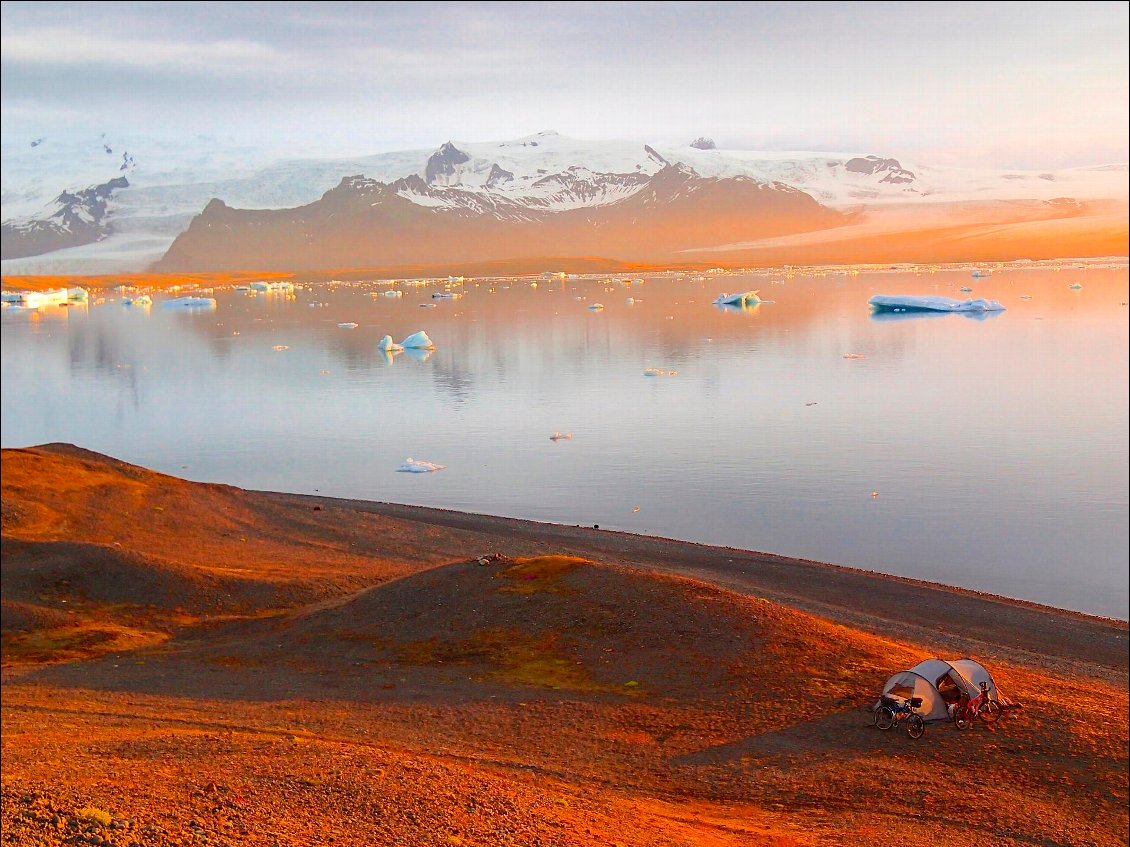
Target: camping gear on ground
[
  {"x": 892, "y": 710},
  {"x": 946, "y": 690}
]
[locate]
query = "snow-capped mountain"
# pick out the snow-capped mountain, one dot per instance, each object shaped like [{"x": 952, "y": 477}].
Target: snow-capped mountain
[
  {"x": 521, "y": 180},
  {"x": 367, "y": 223}
]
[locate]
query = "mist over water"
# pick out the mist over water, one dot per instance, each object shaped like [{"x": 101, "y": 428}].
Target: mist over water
[{"x": 990, "y": 454}]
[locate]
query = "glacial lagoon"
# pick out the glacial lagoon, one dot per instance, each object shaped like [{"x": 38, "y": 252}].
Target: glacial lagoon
[{"x": 987, "y": 451}]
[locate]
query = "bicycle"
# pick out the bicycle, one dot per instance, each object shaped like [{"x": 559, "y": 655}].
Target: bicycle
[
  {"x": 982, "y": 707},
  {"x": 892, "y": 710}
]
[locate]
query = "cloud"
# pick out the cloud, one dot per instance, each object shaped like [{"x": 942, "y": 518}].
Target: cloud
[{"x": 58, "y": 46}]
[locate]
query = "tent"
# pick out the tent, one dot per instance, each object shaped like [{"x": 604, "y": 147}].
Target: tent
[{"x": 940, "y": 683}]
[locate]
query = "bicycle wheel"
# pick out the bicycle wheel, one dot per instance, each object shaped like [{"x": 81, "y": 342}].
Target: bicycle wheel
[
  {"x": 962, "y": 720},
  {"x": 884, "y": 717},
  {"x": 990, "y": 711},
  {"x": 915, "y": 726}
]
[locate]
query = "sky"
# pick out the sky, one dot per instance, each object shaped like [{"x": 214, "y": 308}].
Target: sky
[{"x": 1015, "y": 85}]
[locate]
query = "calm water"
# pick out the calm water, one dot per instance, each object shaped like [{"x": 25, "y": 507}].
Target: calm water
[{"x": 997, "y": 448}]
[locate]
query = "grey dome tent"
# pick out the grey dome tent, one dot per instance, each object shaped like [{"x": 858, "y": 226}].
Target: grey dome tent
[{"x": 939, "y": 684}]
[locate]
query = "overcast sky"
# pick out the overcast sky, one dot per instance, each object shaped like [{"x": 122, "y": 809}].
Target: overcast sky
[{"x": 1012, "y": 85}]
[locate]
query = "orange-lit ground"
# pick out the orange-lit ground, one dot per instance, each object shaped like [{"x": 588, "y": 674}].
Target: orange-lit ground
[{"x": 208, "y": 665}]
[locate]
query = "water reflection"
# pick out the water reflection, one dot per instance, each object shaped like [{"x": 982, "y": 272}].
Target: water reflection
[{"x": 979, "y": 437}]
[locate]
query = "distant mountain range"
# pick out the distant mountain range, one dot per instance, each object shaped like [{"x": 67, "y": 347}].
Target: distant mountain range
[{"x": 186, "y": 209}]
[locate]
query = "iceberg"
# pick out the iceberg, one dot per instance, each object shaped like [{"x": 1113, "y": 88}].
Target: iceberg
[
  {"x": 287, "y": 287},
  {"x": 595, "y": 307},
  {"x": 388, "y": 345},
  {"x": 418, "y": 341},
  {"x": 746, "y": 297},
  {"x": 912, "y": 303},
  {"x": 347, "y": 325},
  {"x": 139, "y": 300},
  {"x": 190, "y": 303},
  {"x": 419, "y": 466}
]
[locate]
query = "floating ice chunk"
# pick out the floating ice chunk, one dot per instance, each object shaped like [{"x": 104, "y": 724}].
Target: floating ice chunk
[
  {"x": 561, "y": 436},
  {"x": 1075, "y": 286},
  {"x": 913, "y": 303},
  {"x": 394, "y": 292},
  {"x": 139, "y": 300},
  {"x": 979, "y": 274},
  {"x": 190, "y": 303},
  {"x": 419, "y": 466},
  {"x": 347, "y": 325},
  {"x": 284, "y": 287},
  {"x": 854, "y": 356},
  {"x": 427, "y": 305},
  {"x": 388, "y": 345},
  {"x": 278, "y": 348},
  {"x": 631, "y": 301},
  {"x": 595, "y": 307},
  {"x": 418, "y": 341},
  {"x": 1025, "y": 296},
  {"x": 446, "y": 295},
  {"x": 966, "y": 288},
  {"x": 78, "y": 295},
  {"x": 659, "y": 372},
  {"x": 746, "y": 297}
]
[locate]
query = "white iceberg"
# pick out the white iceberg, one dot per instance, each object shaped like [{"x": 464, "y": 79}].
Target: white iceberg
[
  {"x": 388, "y": 345},
  {"x": 347, "y": 325},
  {"x": 419, "y": 466},
  {"x": 286, "y": 287},
  {"x": 746, "y": 297},
  {"x": 418, "y": 341},
  {"x": 78, "y": 295},
  {"x": 394, "y": 292},
  {"x": 139, "y": 300},
  {"x": 595, "y": 307},
  {"x": 913, "y": 303}
]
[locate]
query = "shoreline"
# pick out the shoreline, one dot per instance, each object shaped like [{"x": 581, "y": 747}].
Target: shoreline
[
  {"x": 584, "y": 268},
  {"x": 462, "y": 516}
]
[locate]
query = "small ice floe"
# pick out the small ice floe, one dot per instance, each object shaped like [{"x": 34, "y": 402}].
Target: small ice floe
[
  {"x": 190, "y": 303},
  {"x": 139, "y": 300},
  {"x": 854, "y": 356},
  {"x": 394, "y": 292},
  {"x": 631, "y": 301},
  {"x": 966, "y": 288},
  {"x": 278, "y": 348},
  {"x": 561, "y": 436},
  {"x": 78, "y": 295},
  {"x": 446, "y": 295},
  {"x": 913, "y": 303},
  {"x": 979, "y": 274},
  {"x": 347, "y": 325},
  {"x": 1075, "y": 286},
  {"x": 419, "y": 466},
  {"x": 746, "y": 297},
  {"x": 595, "y": 307},
  {"x": 427, "y": 305},
  {"x": 418, "y": 341},
  {"x": 659, "y": 372},
  {"x": 1025, "y": 296},
  {"x": 388, "y": 345}
]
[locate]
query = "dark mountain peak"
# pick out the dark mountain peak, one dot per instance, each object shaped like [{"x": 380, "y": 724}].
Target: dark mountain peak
[
  {"x": 654, "y": 156},
  {"x": 892, "y": 171},
  {"x": 442, "y": 163},
  {"x": 412, "y": 182},
  {"x": 704, "y": 143},
  {"x": 497, "y": 176},
  {"x": 213, "y": 206}
]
